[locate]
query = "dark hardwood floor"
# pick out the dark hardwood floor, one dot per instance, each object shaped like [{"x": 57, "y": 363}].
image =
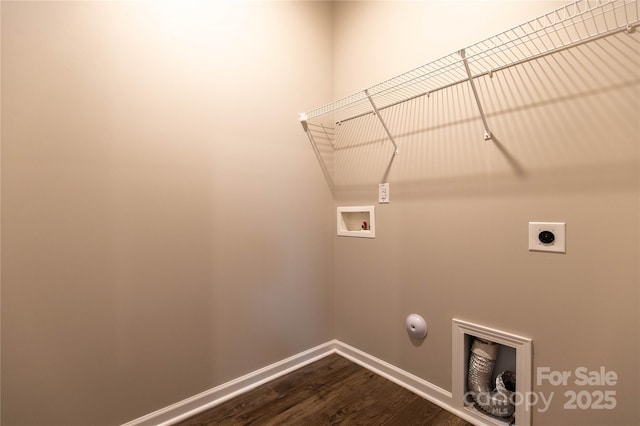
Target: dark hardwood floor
[{"x": 330, "y": 391}]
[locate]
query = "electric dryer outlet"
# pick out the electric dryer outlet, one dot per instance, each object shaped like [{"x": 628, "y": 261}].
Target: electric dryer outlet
[{"x": 547, "y": 236}]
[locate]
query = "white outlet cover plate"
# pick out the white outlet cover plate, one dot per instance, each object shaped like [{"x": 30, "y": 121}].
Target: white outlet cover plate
[
  {"x": 383, "y": 193},
  {"x": 557, "y": 228}
]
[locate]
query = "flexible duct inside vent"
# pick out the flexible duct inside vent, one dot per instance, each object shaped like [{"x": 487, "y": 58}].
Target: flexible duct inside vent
[{"x": 496, "y": 402}]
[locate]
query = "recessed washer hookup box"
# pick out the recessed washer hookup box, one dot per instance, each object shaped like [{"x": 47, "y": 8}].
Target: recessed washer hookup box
[{"x": 356, "y": 221}]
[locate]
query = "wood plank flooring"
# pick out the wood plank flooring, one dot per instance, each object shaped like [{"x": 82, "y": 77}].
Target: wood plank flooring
[{"x": 331, "y": 391}]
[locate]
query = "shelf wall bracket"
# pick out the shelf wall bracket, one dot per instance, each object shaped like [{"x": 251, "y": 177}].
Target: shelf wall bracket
[
  {"x": 303, "y": 120},
  {"x": 384, "y": 125},
  {"x": 487, "y": 132}
]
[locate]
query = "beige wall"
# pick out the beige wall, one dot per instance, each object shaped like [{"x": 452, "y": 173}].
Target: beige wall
[
  {"x": 453, "y": 241},
  {"x": 165, "y": 227}
]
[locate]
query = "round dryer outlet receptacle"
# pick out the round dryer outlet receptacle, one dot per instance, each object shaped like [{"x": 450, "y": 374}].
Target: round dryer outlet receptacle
[
  {"x": 416, "y": 326},
  {"x": 546, "y": 237}
]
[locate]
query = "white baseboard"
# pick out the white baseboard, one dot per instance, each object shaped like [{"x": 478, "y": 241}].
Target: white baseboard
[{"x": 212, "y": 397}]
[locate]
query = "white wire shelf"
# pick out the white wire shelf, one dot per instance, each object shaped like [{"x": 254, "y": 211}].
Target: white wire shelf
[{"x": 576, "y": 23}]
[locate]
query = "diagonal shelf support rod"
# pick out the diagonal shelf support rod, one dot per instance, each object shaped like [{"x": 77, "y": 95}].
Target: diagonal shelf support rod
[
  {"x": 375, "y": 110},
  {"x": 487, "y": 132}
]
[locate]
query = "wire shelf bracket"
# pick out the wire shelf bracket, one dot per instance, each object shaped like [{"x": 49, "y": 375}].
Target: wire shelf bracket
[
  {"x": 384, "y": 125},
  {"x": 487, "y": 132}
]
